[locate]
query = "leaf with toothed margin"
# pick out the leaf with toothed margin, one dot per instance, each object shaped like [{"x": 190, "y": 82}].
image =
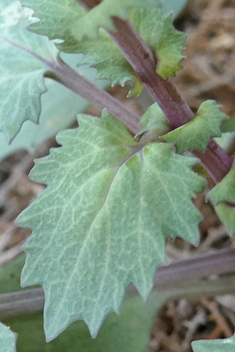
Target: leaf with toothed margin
[
  {"x": 127, "y": 332},
  {"x": 219, "y": 345},
  {"x": 157, "y": 31},
  {"x": 103, "y": 219},
  {"x": 67, "y": 19},
  {"x": 23, "y": 61},
  {"x": 224, "y": 191},
  {"x": 196, "y": 134},
  {"x": 7, "y": 339}
]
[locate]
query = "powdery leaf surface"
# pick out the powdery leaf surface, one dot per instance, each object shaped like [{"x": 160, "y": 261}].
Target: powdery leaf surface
[
  {"x": 223, "y": 345},
  {"x": 196, "y": 134},
  {"x": 225, "y": 191},
  {"x": 7, "y": 339},
  {"x": 127, "y": 332},
  {"x": 23, "y": 62},
  {"x": 103, "y": 220}
]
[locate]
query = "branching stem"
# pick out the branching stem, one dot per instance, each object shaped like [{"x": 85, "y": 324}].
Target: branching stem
[{"x": 215, "y": 160}]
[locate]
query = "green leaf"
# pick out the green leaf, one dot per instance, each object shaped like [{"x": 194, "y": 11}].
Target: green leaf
[
  {"x": 196, "y": 134},
  {"x": 103, "y": 219},
  {"x": 68, "y": 20},
  {"x": 57, "y": 103},
  {"x": 222, "y": 345},
  {"x": 175, "y": 7},
  {"x": 127, "y": 332},
  {"x": 158, "y": 32},
  {"x": 225, "y": 191},
  {"x": 106, "y": 57},
  {"x": 227, "y": 216},
  {"x": 153, "y": 121},
  {"x": 7, "y": 339},
  {"x": 23, "y": 61}
]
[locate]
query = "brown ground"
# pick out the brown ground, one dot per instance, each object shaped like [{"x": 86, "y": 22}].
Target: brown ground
[{"x": 209, "y": 74}]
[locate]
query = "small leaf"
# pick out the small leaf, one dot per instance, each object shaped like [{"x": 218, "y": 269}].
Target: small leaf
[
  {"x": 7, "y": 339},
  {"x": 196, "y": 134},
  {"x": 103, "y": 219},
  {"x": 222, "y": 345},
  {"x": 227, "y": 216},
  {"x": 158, "y": 32},
  {"x": 225, "y": 191},
  {"x": 153, "y": 121},
  {"x": 23, "y": 62}
]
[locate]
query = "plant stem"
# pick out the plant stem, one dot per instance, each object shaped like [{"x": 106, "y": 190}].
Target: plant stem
[
  {"x": 215, "y": 160},
  {"x": 99, "y": 98},
  {"x": 178, "y": 279}
]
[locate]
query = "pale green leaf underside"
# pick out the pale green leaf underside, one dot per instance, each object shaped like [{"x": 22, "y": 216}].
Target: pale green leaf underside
[
  {"x": 103, "y": 219},
  {"x": 225, "y": 191},
  {"x": 157, "y": 31},
  {"x": 7, "y": 339},
  {"x": 196, "y": 134},
  {"x": 23, "y": 58},
  {"x": 223, "y": 345},
  {"x": 127, "y": 332}
]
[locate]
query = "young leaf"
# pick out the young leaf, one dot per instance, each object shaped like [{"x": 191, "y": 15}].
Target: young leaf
[
  {"x": 23, "y": 62},
  {"x": 222, "y": 345},
  {"x": 7, "y": 339},
  {"x": 196, "y": 134},
  {"x": 153, "y": 121},
  {"x": 225, "y": 191},
  {"x": 103, "y": 219},
  {"x": 158, "y": 32}
]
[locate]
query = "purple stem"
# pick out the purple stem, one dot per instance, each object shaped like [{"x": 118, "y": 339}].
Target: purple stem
[
  {"x": 168, "y": 279},
  {"x": 99, "y": 98},
  {"x": 215, "y": 160}
]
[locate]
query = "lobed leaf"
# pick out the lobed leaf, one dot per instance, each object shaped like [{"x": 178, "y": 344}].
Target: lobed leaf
[
  {"x": 7, "y": 339},
  {"x": 157, "y": 31},
  {"x": 222, "y": 345},
  {"x": 196, "y": 134},
  {"x": 127, "y": 332},
  {"x": 24, "y": 59},
  {"x": 103, "y": 220},
  {"x": 225, "y": 191}
]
